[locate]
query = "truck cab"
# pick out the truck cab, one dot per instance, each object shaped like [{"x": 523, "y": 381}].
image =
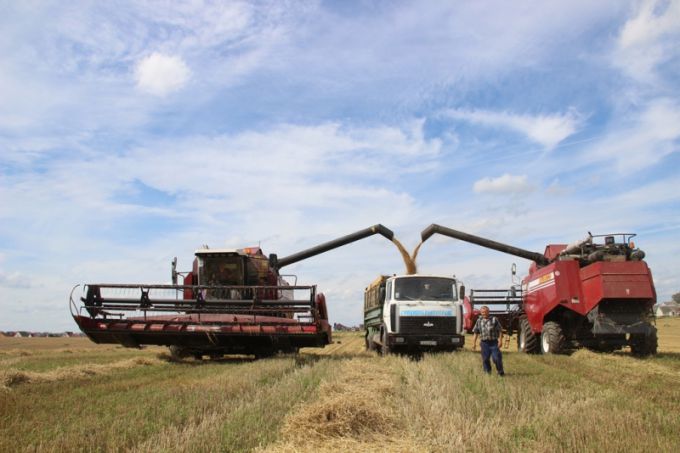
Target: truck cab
[{"x": 413, "y": 313}]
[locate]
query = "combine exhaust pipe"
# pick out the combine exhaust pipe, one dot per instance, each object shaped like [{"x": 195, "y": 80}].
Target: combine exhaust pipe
[
  {"x": 539, "y": 258},
  {"x": 330, "y": 245}
]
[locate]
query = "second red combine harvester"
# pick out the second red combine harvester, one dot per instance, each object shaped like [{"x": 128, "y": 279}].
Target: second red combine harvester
[
  {"x": 596, "y": 293},
  {"x": 231, "y": 302}
]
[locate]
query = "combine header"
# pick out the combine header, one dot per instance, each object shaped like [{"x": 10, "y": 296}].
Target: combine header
[
  {"x": 596, "y": 293},
  {"x": 231, "y": 302}
]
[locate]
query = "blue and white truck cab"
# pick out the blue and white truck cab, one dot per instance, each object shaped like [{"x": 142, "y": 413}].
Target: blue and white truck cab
[{"x": 413, "y": 313}]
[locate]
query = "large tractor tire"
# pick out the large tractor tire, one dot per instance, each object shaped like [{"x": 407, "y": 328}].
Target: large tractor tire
[
  {"x": 265, "y": 354},
  {"x": 644, "y": 345},
  {"x": 553, "y": 340},
  {"x": 527, "y": 341},
  {"x": 178, "y": 353}
]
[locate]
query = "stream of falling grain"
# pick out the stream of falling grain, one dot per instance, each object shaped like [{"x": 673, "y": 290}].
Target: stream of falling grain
[
  {"x": 414, "y": 255},
  {"x": 408, "y": 261}
]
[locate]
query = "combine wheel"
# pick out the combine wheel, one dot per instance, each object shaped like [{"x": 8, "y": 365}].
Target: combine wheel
[
  {"x": 552, "y": 338},
  {"x": 178, "y": 352},
  {"x": 527, "y": 341},
  {"x": 644, "y": 345},
  {"x": 264, "y": 354}
]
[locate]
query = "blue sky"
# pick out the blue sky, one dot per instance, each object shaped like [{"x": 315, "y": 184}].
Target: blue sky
[{"x": 134, "y": 132}]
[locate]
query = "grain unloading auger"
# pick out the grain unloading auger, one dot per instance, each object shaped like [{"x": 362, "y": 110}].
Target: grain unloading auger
[
  {"x": 231, "y": 302},
  {"x": 587, "y": 294}
]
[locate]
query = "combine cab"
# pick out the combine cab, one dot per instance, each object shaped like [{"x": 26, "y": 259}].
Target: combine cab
[
  {"x": 596, "y": 293},
  {"x": 231, "y": 302}
]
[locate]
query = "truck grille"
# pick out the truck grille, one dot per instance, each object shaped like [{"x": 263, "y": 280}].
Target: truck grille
[{"x": 427, "y": 324}]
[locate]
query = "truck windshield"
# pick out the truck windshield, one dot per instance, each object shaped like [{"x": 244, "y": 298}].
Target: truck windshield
[{"x": 424, "y": 288}]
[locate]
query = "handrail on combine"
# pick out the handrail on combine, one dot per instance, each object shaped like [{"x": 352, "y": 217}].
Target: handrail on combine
[
  {"x": 73, "y": 308},
  {"x": 496, "y": 297},
  {"x": 504, "y": 304}
]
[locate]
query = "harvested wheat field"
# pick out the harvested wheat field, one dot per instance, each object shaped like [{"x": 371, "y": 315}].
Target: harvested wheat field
[{"x": 71, "y": 395}]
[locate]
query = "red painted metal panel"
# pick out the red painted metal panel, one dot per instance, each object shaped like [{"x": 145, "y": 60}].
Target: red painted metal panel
[
  {"x": 552, "y": 250},
  {"x": 617, "y": 280},
  {"x": 550, "y": 286},
  {"x": 188, "y": 281}
]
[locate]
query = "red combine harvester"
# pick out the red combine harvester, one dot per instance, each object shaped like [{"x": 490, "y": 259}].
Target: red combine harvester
[
  {"x": 231, "y": 302},
  {"x": 587, "y": 294}
]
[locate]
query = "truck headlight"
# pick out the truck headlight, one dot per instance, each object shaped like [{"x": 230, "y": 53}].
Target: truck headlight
[{"x": 399, "y": 340}]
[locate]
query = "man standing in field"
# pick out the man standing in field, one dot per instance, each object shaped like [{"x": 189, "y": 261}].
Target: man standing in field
[{"x": 489, "y": 328}]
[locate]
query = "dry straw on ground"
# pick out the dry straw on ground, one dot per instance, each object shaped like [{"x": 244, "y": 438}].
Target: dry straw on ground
[
  {"x": 354, "y": 411},
  {"x": 11, "y": 377}
]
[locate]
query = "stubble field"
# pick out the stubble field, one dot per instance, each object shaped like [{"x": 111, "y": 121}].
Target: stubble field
[{"x": 68, "y": 394}]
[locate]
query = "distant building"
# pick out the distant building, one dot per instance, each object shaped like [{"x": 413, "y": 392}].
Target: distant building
[
  {"x": 667, "y": 309},
  {"x": 337, "y": 327}
]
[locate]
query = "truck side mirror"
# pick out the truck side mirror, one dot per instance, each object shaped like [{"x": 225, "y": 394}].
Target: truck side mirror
[{"x": 462, "y": 292}]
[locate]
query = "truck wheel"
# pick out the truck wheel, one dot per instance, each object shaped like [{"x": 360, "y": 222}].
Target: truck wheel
[
  {"x": 370, "y": 344},
  {"x": 385, "y": 349},
  {"x": 644, "y": 345},
  {"x": 552, "y": 338},
  {"x": 527, "y": 341}
]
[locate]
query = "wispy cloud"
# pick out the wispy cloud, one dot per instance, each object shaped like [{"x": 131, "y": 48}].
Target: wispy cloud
[
  {"x": 648, "y": 39},
  {"x": 288, "y": 124},
  {"x": 505, "y": 184},
  {"x": 641, "y": 140},
  {"x": 546, "y": 130}
]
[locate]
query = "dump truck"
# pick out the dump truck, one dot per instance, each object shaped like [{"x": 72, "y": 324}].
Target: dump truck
[
  {"x": 413, "y": 314},
  {"x": 596, "y": 293},
  {"x": 232, "y": 301}
]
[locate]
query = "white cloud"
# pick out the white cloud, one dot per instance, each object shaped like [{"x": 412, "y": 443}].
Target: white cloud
[
  {"x": 161, "y": 74},
  {"x": 14, "y": 280},
  {"x": 547, "y": 130},
  {"x": 505, "y": 184},
  {"x": 339, "y": 82},
  {"x": 640, "y": 139},
  {"x": 648, "y": 39}
]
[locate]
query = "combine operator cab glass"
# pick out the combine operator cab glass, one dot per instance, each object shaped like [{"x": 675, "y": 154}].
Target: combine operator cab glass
[
  {"x": 221, "y": 269},
  {"x": 425, "y": 288}
]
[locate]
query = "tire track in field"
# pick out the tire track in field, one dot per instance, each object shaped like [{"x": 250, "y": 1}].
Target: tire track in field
[{"x": 249, "y": 412}]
